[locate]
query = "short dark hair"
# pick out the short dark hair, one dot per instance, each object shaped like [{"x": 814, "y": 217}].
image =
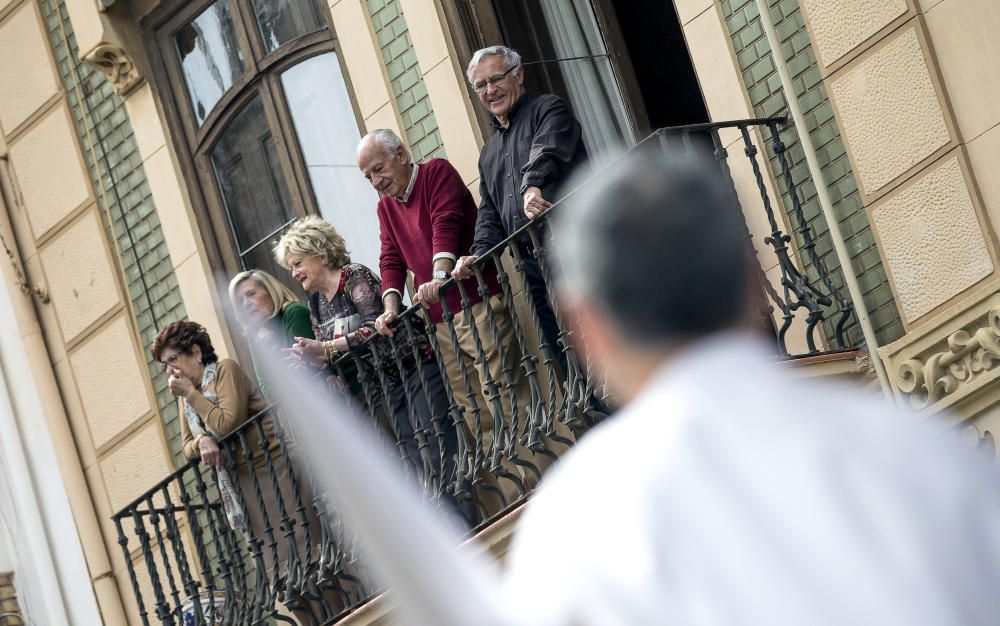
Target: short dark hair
[
  {"x": 183, "y": 336},
  {"x": 658, "y": 245}
]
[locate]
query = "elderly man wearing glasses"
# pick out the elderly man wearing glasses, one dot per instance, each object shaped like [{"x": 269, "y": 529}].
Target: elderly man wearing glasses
[{"x": 523, "y": 167}]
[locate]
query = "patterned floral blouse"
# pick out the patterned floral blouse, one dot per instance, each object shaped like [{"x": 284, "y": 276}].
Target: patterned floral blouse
[{"x": 352, "y": 311}]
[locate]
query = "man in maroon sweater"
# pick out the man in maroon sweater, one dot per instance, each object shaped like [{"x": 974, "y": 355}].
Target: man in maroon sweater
[{"x": 427, "y": 219}]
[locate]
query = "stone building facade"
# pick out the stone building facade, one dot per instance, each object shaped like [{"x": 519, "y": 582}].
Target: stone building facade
[{"x": 126, "y": 198}]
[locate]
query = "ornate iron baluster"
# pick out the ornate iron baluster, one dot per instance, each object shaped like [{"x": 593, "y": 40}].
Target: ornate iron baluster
[
  {"x": 162, "y": 608},
  {"x": 123, "y": 542},
  {"x": 537, "y": 414},
  {"x": 154, "y": 520},
  {"x": 580, "y": 389},
  {"x": 477, "y": 457},
  {"x": 230, "y": 564},
  {"x": 461, "y": 486},
  {"x": 260, "y": 600},
  {"x": 492, "y": 392},
  {"x": 421, "y": 464},
  {"x": 547, "y": 351},
  {"x": 199, "y": 545},
  {"x": 777, "y": 240},
  {"x": 188, "y": 583},
  {"x": 435, "y": 477},
  {"x": 805, "y": 292},
  {"x": 506, "y": 440},
  {"x": 844, "y": 307}
]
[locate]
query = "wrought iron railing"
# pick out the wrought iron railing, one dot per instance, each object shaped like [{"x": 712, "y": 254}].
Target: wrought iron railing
[
  {"x": 486, "y": 437},
  {"x": 805, "y": 295}
]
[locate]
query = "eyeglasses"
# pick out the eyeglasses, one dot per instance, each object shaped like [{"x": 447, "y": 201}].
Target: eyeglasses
[
  {"x": 171, "y": 360},
  {"x": 494, "y": 80}
]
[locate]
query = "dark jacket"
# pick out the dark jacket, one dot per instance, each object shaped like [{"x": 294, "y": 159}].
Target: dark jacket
[{"x": 541, "y": 147}]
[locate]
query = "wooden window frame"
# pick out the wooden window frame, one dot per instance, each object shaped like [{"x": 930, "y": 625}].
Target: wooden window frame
[{"x": 193, "y": 144}]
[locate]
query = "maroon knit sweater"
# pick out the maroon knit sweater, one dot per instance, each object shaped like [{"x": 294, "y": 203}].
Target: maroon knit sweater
[{"x": 440, "y": 216}]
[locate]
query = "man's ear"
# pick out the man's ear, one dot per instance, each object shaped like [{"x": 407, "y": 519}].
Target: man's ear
[{"x": 591, "y": 334}]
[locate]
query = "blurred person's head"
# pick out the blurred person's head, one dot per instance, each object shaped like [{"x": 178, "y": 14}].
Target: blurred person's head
[
  {"x": 497, "y": 77},
  {"x": 652, "y": 256},
  {"x": 385, "y": 162},
  {"x": 184, "y": 348},
  {"x": 257, "y": 296},
  {"x": 313, "y": 251}
]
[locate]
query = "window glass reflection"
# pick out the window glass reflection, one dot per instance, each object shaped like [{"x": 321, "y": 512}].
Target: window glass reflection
[
  {"x": 253, "y": 188},
  {"x": 328, "y": 135},
  {"x": 210, "y": 57},
  {"x": 281, "y": 21}
]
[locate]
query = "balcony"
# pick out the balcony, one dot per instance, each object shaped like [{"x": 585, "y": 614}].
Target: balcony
[{"x": 187, "y": 564}]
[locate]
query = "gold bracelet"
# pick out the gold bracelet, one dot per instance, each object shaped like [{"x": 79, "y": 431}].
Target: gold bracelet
[{"x": 330, "y": 352}]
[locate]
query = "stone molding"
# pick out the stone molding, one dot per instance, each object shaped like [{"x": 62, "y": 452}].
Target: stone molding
[
  {"x": 952, "y": 360},
  {"x": 112, "y": 60},
  {"x": 980, "y": 439},
  {"x": 969, "y": 354}
]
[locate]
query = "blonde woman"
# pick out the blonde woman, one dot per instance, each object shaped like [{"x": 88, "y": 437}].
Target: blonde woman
[
  {"x": 345, "y": 299},
  {"x": 270, "y": 314}
]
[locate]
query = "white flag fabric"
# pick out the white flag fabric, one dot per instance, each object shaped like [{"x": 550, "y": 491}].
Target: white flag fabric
[{"x": 406, "y": 542}]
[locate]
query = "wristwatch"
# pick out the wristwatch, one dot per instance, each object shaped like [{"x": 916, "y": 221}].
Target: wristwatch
[{"x": 440, "y": 275}]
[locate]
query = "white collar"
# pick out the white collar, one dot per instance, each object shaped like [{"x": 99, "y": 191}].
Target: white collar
[
  {"x": 409, "y": 187},
  {"x": 715, "y": 355}
]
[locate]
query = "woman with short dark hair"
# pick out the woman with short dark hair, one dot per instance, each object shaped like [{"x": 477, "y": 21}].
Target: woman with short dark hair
[{"x": 217, "y": 397}]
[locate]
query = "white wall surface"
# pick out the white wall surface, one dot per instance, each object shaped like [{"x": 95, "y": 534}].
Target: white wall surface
[{"x": 38, "y": 539}]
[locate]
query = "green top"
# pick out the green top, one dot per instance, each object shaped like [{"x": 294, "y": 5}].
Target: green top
[{"x": 295, "y": 322}]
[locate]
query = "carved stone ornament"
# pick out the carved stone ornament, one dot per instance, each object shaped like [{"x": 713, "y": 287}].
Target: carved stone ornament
[
  {"x": 970, "y": 354},
  {"x": 981, "y": 440},
  {"x": 113, "y": 61}
]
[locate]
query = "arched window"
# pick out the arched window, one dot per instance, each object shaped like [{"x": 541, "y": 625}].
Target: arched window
[{"x": 256, "y": 96}]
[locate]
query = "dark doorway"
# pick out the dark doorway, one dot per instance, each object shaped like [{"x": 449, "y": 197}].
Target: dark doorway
[{"x": 664, "y": 73}]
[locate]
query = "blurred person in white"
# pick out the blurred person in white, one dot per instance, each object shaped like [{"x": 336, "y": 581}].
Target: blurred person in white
[{"x": 725, "y": 491}]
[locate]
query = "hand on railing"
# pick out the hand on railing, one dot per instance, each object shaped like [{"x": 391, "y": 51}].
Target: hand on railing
[
  {"x": 429, "y": 293},
  {"x": 463, "y": 268},
  {"x": 305, "y": 352},
  {"x": 209, "y": 450},
  {"x": 385, "y": 323},
  {"x": 534, "y": 203}
]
